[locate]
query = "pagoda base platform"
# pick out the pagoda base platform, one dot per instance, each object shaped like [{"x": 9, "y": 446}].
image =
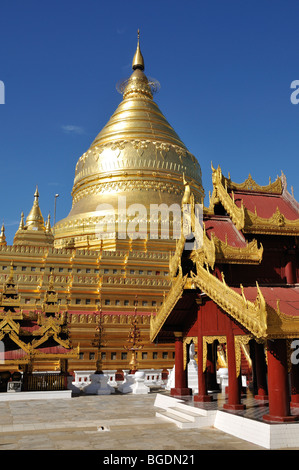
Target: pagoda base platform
[{"x": 247, "y": 424}]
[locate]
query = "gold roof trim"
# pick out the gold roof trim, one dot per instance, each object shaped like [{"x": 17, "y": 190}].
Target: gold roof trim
[
  {"x": 277, "y": 224},
  {"x": 217, "y": 251},
  {"x": 251, "y": 185},
  {"x": 11, "y": 328},
  {"x": 220, "y": 194},
  {"x": 252, "y": 315},
  {"x": 281, "y": 325},
  {"x": 250, "y": 254},
  {"x": 166, "y": 308},
  {"x": 37, "y": 342},
  {"x": 243, "y": 218}
]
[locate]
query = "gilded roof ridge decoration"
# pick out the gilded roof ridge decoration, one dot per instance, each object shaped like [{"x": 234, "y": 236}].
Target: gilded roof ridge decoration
[
  {"x": 170, "y": 301},
  {"x": 275, "y": 187},
  {"x": 252, "y": 315},
  {"x": 287, "y": 196},
  {"x": 48, "y": 334},
  {"x": 280, "y": 324},
  {"x": 219, "y": 251},
  {"x": 215, "y": 250},
  {"x": 51, "y": 328},
  {"x": 11, "y": 328},
  {"x": 243, "y": 218},
  {"x": 276, "y": 224},
  {"x": 251, "y": 253},
  {"x": 220, "y": 194}
]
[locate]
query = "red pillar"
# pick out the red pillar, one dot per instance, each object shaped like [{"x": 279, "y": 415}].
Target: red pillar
[
  {"x": 278, "y": 387},
  {"x": 202, "y": 394},
  {"x": 295, "y": 385},
  {"x": 234, "y": 395},
  {"x": 261, "y": 374},
  {"x": 180, "y": 387},
  {"x": 295, "y": 373},
  {"x": 289, "y": 272}
]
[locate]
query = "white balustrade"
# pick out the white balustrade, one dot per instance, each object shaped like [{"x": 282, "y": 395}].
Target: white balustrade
[{"x": 84, "y": 378}]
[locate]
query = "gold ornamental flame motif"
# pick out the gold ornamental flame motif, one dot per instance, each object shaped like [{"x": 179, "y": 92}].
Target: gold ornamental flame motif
[{"x": 137, "y": 155}]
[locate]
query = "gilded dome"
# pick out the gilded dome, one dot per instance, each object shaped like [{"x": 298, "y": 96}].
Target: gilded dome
[{"x": 137, "y": 155}]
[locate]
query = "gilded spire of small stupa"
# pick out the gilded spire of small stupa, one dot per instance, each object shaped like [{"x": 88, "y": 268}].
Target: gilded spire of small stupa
[
  {"x": 138, "y": 62},
  {"x": 48, "y": 225},
  {"x": 2, "y": 236},
  {"x": 35, "y": 219},
  {"x": 22, "y": 223}
]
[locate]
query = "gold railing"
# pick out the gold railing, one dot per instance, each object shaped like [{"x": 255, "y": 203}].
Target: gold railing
[{"x": 44, "y": 382}]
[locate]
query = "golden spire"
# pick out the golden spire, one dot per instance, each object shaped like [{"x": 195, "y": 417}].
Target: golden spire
[
  {"x": 48, "y": 225},
  {"x": 138, "y": 62},
  {"x": 2, "y": 236},
  {"x": 35, "y": 220},
  {"x": 22, "y": 224}
]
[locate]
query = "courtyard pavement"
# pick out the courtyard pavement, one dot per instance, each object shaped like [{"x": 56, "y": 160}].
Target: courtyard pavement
[{"x": 108, "y": 422}]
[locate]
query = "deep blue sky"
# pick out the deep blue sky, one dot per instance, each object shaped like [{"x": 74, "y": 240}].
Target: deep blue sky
[{"x": 225, "y": 69}]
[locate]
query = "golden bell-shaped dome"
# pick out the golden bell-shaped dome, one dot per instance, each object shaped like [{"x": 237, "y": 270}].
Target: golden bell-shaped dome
[{"x": 137, "y": 155}]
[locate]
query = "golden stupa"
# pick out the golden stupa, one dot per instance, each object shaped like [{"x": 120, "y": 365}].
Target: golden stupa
[
  {"x": 34, "y": 231},
  {"x": 137, "y": 155}
]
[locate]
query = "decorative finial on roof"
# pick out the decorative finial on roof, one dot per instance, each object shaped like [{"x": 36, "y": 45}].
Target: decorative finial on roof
[
  {"x": 22, "y": 223},
  {"x": 35, "y": 219},
  {"x": 138, "y": 62},
  {"x": 2, "y": 236},
  {"x": 48, "y": 225}
]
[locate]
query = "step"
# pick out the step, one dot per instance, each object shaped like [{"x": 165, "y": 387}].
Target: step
[
  {"x": 164, "y": 401},
  {"x": 191, "y": 409},
  {"x": 181, "y": 422},
  {"x": 185, "y": 413}
]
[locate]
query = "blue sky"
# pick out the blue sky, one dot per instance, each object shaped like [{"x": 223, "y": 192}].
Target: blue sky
[{"x": 225, "y": 69}]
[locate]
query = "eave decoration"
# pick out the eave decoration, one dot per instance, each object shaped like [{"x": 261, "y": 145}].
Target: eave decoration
[
  {"x": 46, "y": 325},
  {"x": 243, "y": 218}
]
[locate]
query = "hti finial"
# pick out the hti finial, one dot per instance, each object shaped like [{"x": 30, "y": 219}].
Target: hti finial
[
  {"x": 36, "y": 194},
  {"x": 138, "y": 62}
]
